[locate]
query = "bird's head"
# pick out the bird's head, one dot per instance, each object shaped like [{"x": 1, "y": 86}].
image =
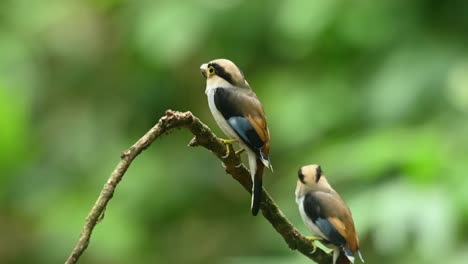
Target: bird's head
[
  {"x": 311, "y": 178},
  {"x": 310, "y": 175},
  {"x": 222, "y": 72}
]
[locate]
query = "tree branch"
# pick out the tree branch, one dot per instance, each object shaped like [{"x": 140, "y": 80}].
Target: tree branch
[{"x": 203, "y": 137}]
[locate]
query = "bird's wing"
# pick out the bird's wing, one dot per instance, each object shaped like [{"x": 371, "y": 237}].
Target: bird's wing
[
  {"x": 331, "y": 215},
  {"x": 245, "y": 115}
]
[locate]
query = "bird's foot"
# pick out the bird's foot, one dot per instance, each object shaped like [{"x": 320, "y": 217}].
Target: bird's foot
[
  {"x": 312, "y": 240},
  {"x": 239, "y": 152},
  {"x": 227, "y": 142}
]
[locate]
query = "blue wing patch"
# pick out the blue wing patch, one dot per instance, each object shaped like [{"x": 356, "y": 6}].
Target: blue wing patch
[
  {"x": 329, "y": 230},
  {"x": 246, "y": 132}
]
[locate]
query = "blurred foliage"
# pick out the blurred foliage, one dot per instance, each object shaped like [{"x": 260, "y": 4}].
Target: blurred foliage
[{"x": 374, "y": 91}]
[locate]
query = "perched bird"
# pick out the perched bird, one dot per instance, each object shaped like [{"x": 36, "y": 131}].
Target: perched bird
[
  {"x": 239, "y": 114},
  {"x": 325, "y": 214}
]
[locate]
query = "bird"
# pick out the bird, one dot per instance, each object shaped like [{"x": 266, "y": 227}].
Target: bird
[
  {"x": 325, "y": 214},
  {"x": 240, "y": 115}
]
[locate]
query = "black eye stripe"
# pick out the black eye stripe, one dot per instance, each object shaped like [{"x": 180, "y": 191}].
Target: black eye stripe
[
  {"x": 301, "y": 176},
  {"x": 219, "y": 70},
  {"x": 319, "y": 173}
]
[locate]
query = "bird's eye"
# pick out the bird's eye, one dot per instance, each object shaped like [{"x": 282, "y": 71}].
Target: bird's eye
[{"x": 211, "y": 70}]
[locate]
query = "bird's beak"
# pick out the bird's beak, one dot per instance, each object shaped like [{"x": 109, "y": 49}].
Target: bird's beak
[{"x": 203, "y": 69}]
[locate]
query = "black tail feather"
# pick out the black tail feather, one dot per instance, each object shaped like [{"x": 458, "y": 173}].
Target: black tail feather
[{"x": 257, "y": 189}]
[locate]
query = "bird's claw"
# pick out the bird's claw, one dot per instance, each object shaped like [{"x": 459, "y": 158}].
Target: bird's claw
[
  {"x": 227, "y": 142},
  {"x": 239, "y": 152},
  {"x": 314, "y": 248},
  {"x": 312, "y": 239}
]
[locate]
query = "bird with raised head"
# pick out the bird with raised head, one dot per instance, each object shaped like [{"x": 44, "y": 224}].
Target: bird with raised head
[
  {"x": 238, "y": 112},
  {"x": 325, "y": 214}
]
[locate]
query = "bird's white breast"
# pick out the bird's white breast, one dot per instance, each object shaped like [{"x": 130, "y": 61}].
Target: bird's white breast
[
  {"x": 224, "y": 125},
  {"x": 307, "y": 221},
  {"x": 219, "y": 118}
]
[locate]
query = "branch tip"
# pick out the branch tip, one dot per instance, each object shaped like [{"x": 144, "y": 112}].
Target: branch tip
[{"x": 193, "y": 142}]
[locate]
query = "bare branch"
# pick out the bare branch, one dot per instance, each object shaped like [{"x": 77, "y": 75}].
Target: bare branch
[{"x": 202, "y": 137}]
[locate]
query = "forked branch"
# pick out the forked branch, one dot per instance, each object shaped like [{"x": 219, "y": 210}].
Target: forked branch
[{"x": 202, "y": 137}]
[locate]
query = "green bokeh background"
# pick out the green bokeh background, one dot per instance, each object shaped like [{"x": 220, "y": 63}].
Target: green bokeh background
[{"x": 374, "y": 91}]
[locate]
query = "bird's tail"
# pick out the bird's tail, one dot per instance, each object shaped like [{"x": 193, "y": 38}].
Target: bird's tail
[
  {"x": 266, "y": 161},
  {"x": 345, "y": 255},
  {"x": 256, "y": 172},
  {"x": 348, "y": 253},
  {"x": 360, "y": 255},
  {"x": 341, "y": 257}
]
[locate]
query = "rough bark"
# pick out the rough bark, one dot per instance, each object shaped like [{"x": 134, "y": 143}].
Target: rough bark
[{"x": 205, "y": 138}]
